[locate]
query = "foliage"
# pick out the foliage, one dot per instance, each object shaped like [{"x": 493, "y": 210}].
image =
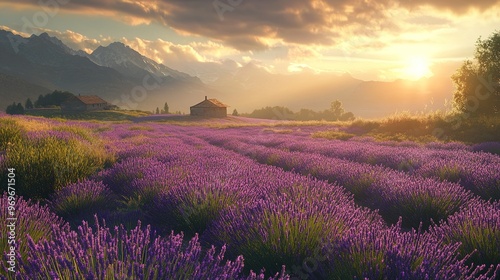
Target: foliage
[
  {"x": 335, "y": 113},
  {"x": 82, "y": 200},
  {"x": 50, "y": 159},
  {"x": 33, "y": 219},
  {"x": 477, "y": 228},
  {"x": 392, "y": 254},
  {"x": 273, "y": 113},
  {"x": 15, "y": 109},
  {"x": 10, "y": 133},
  {"x": 138, "y": 253},
  {"x": 165, "y": 109},
  {"x": 28, "y": 104},
  {"x": 478, "y": 81},
  {"x": 268, "y": 191},
  {"x": 52, "y": 99}
]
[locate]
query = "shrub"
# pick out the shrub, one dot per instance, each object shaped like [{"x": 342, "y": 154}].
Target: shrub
[
  {"x": 367, "y": 253},
  {"x": 82, "y": 200},
  {"x": 48, "y": 164},
  {"x": 192, "y": 206},
  {"x": 418, "y": 200},
  {"x": 10, "y": 133},
  {"x": 32, "y": 219},
  {"x": 477, "y": 228},
  {"x": 121, "y": 176},
  {"x": 138, "y": 253},
  {"x": 287, "y": 229}
]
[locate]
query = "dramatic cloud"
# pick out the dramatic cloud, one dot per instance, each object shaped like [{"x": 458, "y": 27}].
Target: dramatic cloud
[
  {"x": 258, "y": 24},
  {"x": 456, "y": 6}
]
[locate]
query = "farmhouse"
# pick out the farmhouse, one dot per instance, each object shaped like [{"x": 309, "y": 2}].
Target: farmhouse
[
  {"x": 84, "y": 103},
  {"x": 209, "y": 108}
]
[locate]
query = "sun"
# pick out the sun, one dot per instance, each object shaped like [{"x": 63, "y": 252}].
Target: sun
[{"x": 417, "y": 67}]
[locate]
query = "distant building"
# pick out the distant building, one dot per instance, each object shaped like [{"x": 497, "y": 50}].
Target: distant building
[
  {"x": 209, "y": 108},
  {"x": 85, "y": 103}
]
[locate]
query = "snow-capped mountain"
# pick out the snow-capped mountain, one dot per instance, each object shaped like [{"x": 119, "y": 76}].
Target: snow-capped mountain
[
  {"x": 110, "y": 72},
  {"x": 129, "y": 62}
]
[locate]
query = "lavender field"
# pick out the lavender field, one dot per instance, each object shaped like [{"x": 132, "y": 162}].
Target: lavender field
[{"x": 103, "y": 200}]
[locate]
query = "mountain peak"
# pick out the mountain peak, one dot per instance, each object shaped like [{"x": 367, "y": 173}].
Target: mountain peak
[
  {"x": 129, "y": 62},
  {"x": 118, "y": 45},
  {"x": 44, "y": 35}
]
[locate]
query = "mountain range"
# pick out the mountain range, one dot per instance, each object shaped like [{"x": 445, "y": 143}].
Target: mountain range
[{"x": 40, "y": 64}]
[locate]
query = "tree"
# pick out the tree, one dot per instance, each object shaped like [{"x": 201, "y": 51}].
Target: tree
[
  {"x": 307, "y": 115},
  {"x": 157, "y": 110},
  {"x": 39, "y": 101},
  {"x": 273, "y": 113},
  {"x": 53, "y": 99},
  {"x": 28, "y": 104},
  {"x": 15, "y": 109},
  {"x": 165, "y": 108},
  {"x": 349, "y": 116},
  {"x": 235, "y": 112},
  {"x": 336, "y": 108},
  {"x": 477, "y": 82}
]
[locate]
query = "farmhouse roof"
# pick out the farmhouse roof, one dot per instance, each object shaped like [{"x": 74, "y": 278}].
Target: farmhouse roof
[
  {"x": 210, "y": 103},
  {"x": 90, "y": 99}
]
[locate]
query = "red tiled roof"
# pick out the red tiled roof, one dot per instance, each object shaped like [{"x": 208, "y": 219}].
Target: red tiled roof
[
  {"x": 91, "y": 99},
  {"x": 210, "y": 103}
]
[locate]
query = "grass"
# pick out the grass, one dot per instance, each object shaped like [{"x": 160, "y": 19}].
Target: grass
[
  {"x": 107, "y": 115},
  {"x": 432, "y": 127},
  {"x": 32, "y": 219},
  {"x": 333, "y": 135},
  {"x": 191, "y": 210},
  {"x": 48, "y": 161},
  {"x": 436, "y": 127}
]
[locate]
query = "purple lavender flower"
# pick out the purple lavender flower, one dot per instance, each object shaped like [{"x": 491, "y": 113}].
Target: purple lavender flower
[
  {"x": 141, "y": 254},
  {"x": 477, "y": 228},
  {"x": 81, "y": 199}
]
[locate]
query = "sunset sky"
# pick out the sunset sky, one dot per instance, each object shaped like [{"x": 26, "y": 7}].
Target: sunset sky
[{"x": 371, "y": 40}]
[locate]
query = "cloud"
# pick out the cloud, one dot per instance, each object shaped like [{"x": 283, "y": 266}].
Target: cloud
[
  {"x": 258, "y": 24},
  {"x": 76, "y": 40},
  {"x": 456, "y": 6},
  {"x": 164, "y": 51}
]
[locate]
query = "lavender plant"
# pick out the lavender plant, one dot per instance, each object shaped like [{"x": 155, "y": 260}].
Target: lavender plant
[
  {"x": 135, "y": 254},
  {"x": 82, "y": 200},
  {"x": 33, "y": 220},
  {"x": 392, "y": 254},
  {"x": 288, "y": 228},
  {"x": 477, "y": 228}
]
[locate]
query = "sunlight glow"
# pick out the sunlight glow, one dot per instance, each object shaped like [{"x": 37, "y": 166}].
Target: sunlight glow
[{"x": 417, "y": 68}]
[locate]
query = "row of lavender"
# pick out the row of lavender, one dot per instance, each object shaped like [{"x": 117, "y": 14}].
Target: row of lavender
[
  {"x": 47, "y": 248},
  {"x": 477, "y": 171},
  {"x": 393, "y": 193},
  {"x": 272, "y": 217},
  {"x": 428, "y": 198}
]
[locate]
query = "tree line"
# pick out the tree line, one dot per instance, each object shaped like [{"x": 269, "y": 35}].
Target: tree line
[
  {"x": 49, "y": 100},
  {"x": 336, "y": 112}
]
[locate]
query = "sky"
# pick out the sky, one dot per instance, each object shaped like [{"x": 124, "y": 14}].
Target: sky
[{"x": 372, "y": 40}]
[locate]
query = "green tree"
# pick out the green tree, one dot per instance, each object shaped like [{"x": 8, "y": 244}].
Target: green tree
[
  {"x": 157, "y": 110},
  {"x": 235, "y": 112},
  {"x": 349, "y": 116},
  {"x": 337, "y": 109},
  {"x": 477, "y": 81},
  {"x": 15, "y": 109},
  {"x": 28, "y": 104},
  {"x": 52, "y": 99},
  {"x": 165, "y": 108},
  {"x": 273, "y": 113}
]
